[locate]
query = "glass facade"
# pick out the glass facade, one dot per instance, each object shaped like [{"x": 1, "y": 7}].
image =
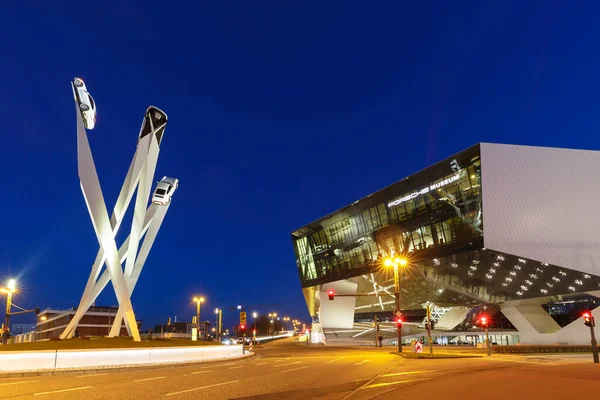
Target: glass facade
[{"x": 435, "y": 212}]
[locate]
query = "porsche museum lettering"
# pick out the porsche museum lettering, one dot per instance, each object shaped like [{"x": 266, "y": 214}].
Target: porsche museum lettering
[{"x": 426, "y": 189}]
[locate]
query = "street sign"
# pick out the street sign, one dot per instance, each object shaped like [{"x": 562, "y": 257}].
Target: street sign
[
  {"x": 418, "y": 347},
  {"x": 398, "y": 313},
  {"x": 242, "y": 317}
]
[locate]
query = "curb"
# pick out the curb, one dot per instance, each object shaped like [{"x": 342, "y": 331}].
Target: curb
[
  {"x": 107, "y": 369},
  {"x": 435, "y": 357}
]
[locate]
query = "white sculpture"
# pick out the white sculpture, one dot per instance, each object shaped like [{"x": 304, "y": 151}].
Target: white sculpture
[{"x": 145, "y": 225}]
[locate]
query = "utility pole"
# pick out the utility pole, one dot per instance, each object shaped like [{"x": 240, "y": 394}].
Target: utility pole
[
  {"x": 396, "y": 263},
  {"x": 398, "y": 314},
  {"x": 220, "y": 328},
  {"x": 8, "y": 307},
  {"x": 429, "y": 329},
  {"x": 375, "y": 328}
]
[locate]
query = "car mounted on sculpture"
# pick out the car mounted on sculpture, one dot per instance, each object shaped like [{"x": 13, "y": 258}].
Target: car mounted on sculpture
[
  {"x": 85, "y": 102},
  {"x": 164, "y": 190}
]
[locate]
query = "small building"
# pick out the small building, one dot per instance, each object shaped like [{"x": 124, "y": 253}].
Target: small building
[
  {"x": 18, "y": 329},
  {"x": 183, "y": 328},
  {"x": 97, "y": 321}
]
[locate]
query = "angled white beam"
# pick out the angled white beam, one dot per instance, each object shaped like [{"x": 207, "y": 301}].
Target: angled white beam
[
  {"x": 149, "y": 238},
  {"x": 92, "y": 193}
]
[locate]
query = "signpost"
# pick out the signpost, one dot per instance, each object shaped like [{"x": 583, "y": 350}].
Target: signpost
[
  {"x": 429, "y": 329},
  {"x": 243, "y": 328},
  {"x": 418, "y": 347}
]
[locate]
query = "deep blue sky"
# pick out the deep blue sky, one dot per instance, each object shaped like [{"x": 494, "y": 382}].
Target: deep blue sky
[{"x": 280, "y": 112}]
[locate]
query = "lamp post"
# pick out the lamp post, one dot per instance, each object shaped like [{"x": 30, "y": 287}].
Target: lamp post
[
  {"x": 216, "y": 322},
  {"x": 272, "y": 316},
  {"x": 397, "y": 262},
  {"x": 11, "y": 287},
  {"x": 254, "y": 315},
  {"x": 199, "y": 300},
  {"x": 285, "y": 320}
]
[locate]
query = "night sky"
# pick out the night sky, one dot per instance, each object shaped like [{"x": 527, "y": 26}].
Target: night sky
[{"x": 279, "y": 113}]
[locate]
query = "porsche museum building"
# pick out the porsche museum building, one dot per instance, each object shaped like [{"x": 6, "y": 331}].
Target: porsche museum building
[{"x": 512, "y": 231}]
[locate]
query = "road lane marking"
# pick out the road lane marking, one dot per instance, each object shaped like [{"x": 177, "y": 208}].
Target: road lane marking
[
  {"x": 261, "y": 364},
  {"x": 149, "y": 379},
  {"x": 358, "y": 389},
  {"x": 362, "y": 362},
  {"x": 376, "y": 385},
  {"x": 337, "y": 359},
  {"x": 86, "y": 375},
  {"x": 239, "y": 366},
  {"x": 63, "y": 390},
  {"x": 200, "y": 388},
  {"x": 407, "y": 373},
  {"x": 294, "y": 369},
  {"x": 278, "y": 360},
  {"x": 16, "y": 383},
  {"x": 283, "y": 365},
  {"x": 201, "y": 372}
]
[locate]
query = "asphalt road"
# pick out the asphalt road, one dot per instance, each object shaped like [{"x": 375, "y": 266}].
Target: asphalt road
[{"x": 284, "y": 370}]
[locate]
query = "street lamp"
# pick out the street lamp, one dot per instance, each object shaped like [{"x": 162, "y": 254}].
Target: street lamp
[
  {"x": 397, "y": 262},
  {"x": 199, "y": 300},
  {"x": 216, "y": 320},
  {"x": 11, "y": 287},
  {"x": 254, "y": 315},
  {"x": 272, "y": 316}
]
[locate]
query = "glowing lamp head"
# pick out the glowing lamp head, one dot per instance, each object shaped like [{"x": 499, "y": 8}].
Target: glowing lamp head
[
  {"x": 11, "y": 284},
  {"x": 402, "y": 262},
  {"x": 388, "y": 262}
]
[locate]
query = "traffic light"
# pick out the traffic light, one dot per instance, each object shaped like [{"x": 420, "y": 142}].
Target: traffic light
[
  {"x": 588, "y": 320},
  {"x": 37, "y": 311},
  {"x": 243, "y": 328},
  {"x": 399, "y": 322},
  {"x": 331, "y": 294},
  {"x": 483, "y": 321}
]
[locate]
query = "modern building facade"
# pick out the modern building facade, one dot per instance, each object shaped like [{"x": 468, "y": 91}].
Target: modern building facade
[
  {"x": 97, "y": 321},
  {"x": 510, "y": 229}
]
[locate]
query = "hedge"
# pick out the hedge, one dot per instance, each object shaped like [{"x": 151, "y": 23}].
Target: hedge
[{"x": 523, "y": 349}]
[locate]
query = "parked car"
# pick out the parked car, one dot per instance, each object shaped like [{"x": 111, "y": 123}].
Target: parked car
[
  {"x": 85, "y": 102},
  {"x": 164, "y": 190}
]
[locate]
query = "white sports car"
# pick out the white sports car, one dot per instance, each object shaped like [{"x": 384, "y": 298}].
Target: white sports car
[
  {"x": 87, "y": 105},
  {"x": 164, "y": 190}
]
